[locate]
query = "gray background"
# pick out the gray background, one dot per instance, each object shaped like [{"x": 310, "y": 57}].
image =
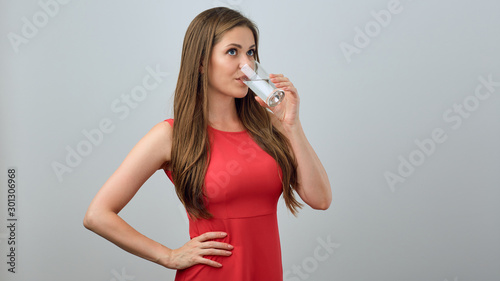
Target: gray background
[{"x": 362, "y": 113}]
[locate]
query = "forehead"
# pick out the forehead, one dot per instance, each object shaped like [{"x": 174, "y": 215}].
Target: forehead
[{"x": 240, "y": 35}]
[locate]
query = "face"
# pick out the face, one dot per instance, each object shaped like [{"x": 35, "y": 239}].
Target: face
[{"x": 235, "y": 49}]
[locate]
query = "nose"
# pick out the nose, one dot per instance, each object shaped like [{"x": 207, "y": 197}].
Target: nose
[{"x": 248, "y": 61}]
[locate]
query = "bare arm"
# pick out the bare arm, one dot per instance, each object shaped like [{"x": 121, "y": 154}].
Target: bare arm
[
  {"x": 314, "y": 186},
  {"x": 313, "y": 183},
  {"x": 151, "y": 153}
]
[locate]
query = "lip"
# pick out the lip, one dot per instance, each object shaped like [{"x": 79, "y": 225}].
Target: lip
[{"x": 240, "y": 80}]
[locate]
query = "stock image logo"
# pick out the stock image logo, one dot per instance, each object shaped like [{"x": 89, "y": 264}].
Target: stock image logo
[
  {"x": 372, "y": 29},
  {"x": 122, "y": 107},
  {"x": 39, "y": 20},
  {"x": 321, "y": 253},
  {"x": 454, "y": 116}
]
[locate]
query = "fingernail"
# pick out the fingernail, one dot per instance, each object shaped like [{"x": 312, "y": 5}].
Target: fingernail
[
  {"x": 223, "y": 234},
  {"x": 230, "y": 246}
]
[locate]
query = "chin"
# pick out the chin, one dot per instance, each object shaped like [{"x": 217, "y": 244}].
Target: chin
[
  {"x": 244, "y": 95},
  {"x": 240, "y": 94}
]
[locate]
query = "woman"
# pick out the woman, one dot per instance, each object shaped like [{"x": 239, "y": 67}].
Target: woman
[{"x": 229, "y": 158}]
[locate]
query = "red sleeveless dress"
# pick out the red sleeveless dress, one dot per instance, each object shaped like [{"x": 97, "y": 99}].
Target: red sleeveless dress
[{"x": 243, "y": 185}]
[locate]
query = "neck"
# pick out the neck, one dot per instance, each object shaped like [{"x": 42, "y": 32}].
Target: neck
[{"x": 222, "y": 112}]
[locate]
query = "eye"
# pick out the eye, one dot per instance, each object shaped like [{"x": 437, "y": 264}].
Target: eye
[
  {"x": 232, "y": 52},
  {"x": 251, "y": 52}
]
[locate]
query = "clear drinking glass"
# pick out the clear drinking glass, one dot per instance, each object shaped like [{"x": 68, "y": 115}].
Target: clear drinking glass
[{"x": 258, "y": 80}]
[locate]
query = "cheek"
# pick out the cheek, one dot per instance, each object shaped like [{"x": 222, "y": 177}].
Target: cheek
[
  {"x": 216, "y": 71},
  {"x": 213, "y": 74},
  {"x": 221, "y": 74},
  {"x": 223, "y": 70}
]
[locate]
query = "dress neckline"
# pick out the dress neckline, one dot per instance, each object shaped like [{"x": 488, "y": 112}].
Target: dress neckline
[{"x": 227, "y": 132}]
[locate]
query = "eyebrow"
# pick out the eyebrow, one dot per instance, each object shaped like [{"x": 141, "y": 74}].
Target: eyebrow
[{"x": 239, "y": 46}]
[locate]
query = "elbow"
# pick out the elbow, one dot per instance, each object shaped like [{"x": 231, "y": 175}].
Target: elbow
[
  {"x": 321, "y": 201},
  {"x": 323, "y": 206},
  {"x": 89, "y": 220},
  {"x": 97, "y": 220},
  {"x": 325, "y": 203}
]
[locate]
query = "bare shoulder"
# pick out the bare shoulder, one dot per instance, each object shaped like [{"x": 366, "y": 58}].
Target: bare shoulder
[
  {"x": 150, "y": 154},
  {"x": 159, "y": 139},
  {"x": 163, "y": 128}
]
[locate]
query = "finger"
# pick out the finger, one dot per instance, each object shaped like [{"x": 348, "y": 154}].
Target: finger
[
  {"x": 208, "y": 262},
  {"x": 210, "y": 235},
  {"x": 215, "y": 245},
  {"x": 279, "y": 79},
  {"x": 272, "y": 75},
  {"x": 290, "y": 88},
  {"x": 282, "y": 84},
  {"x": 214, "y": 252}
]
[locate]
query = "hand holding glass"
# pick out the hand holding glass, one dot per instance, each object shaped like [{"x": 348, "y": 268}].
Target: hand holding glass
[{"x": 257, "y": 79}]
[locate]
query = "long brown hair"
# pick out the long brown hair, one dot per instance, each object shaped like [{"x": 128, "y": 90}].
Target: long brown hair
[{"x": 190, "y": 146}]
